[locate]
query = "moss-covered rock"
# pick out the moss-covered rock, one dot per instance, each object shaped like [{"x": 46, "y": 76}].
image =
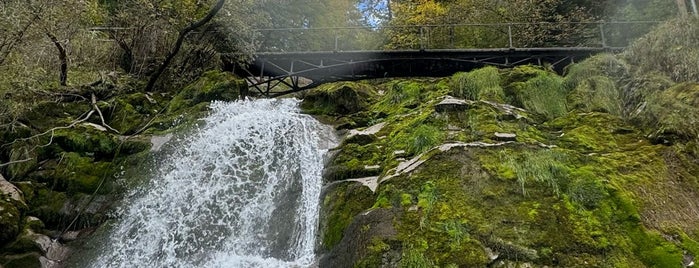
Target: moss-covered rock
[
  {"x": 12, "y": 208},
  {"x": 87, "y": 141},
  {"x": 338, "y": 99},
  {"x": 28, "y": 260},
  {"x": 212, "y": 85},
  {"x": 575, "y": 188}
]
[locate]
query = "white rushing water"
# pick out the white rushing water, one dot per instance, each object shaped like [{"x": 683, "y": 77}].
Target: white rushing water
[{"x": 241, "y": 192}]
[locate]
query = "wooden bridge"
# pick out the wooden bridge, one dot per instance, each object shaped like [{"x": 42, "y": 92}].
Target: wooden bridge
[{"x": 279, "y": 69}]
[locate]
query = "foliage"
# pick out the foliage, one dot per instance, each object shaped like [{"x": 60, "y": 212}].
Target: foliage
[
  {"x": 673, "y": 112},
  {"x": 669, "y": 49}
]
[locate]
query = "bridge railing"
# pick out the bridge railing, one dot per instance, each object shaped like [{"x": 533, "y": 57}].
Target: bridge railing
[{"x": 452, "y": 36}]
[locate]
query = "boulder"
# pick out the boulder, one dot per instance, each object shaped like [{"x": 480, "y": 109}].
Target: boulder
[{"x": 12, "y": 206}]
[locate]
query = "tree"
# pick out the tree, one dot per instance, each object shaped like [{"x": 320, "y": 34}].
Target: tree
[
  {"x": 15, "y": 22},
  {"x": 180, "y": 39}
]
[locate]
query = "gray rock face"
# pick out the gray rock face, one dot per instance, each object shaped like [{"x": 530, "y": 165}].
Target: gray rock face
[
  {"x": 453, "y": 104},
  {"x": 372, "y": 224}
]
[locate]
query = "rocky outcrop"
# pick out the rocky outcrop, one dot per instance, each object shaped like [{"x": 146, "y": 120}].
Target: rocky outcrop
[{"x": 532, "y": 182}]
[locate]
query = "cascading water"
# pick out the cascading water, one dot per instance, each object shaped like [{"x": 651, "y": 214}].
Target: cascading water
[{"x": 242, "y": 192}]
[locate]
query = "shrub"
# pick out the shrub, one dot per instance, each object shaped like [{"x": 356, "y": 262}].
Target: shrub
[
  {"x": 481, "y": 84},
  {"x": 542, "y": 94}
]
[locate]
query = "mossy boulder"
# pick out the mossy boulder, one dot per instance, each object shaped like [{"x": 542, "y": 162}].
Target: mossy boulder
[
  {"x": 30, "y": 240},
  {"x": 12, "y": 208},
  {"x": 129, "y": 113},
  {"x": 338, "y": 99},
  {"x": 87, "y": 141},
  {"x": 47, "y": 114},
  {"x": 212, "y": 85}
]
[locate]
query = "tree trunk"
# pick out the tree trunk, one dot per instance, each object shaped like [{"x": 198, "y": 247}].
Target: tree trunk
[
  {"x": 682, "y": 6},
  {"x": 180, "y": 39},
  {"x": 63, "y": 57}
]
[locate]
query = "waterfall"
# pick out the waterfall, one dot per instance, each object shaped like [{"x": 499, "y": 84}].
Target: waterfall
[{"x": 243, "y": 191}]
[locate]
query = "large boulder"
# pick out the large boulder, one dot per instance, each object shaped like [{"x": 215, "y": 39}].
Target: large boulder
[{"x": 12, "y": 206}]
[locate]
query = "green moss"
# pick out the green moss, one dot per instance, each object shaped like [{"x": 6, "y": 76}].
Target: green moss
[
  {"x": 480, "y": 84},
  {"x": 596, "y": 132},
  {"x": 50, "y": 113},
  {"x": 351, "y": 160},
  {"x": 87, "y": 141},
  {"x": 338, "y": 99},
  {"x": 212, "y": 85},
  {"x": 82, "y": 174},
  {"x": 586, "y": 189},
  {"x": 376, "y": 248},
  {"x": 341, "y": 205}
]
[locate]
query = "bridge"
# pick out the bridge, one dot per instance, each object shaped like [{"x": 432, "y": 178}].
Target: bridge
[{"x": 295, "y": 59}]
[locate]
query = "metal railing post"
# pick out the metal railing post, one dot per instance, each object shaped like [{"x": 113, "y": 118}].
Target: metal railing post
[
  {"x": 422, "y": 37},
  {"x": 337, "y": 38},
  {"x": 509, "y": 35},
  {"x": 451, "y": 36}
]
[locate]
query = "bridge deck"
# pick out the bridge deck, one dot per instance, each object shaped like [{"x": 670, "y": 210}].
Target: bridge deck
[{"x": 303, "y": 70}]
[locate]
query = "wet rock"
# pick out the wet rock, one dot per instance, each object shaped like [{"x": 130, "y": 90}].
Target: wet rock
[
  {"x": 365, "y": 228},
  {"x": 28, "y": 260},
  {"x": 366, "y": 136},
  {"x": 505, "y": 136},
  {"x": 451, "y": 104}
]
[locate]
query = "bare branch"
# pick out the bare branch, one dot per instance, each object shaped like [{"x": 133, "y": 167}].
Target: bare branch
[{"x": 16, "y": 162}]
